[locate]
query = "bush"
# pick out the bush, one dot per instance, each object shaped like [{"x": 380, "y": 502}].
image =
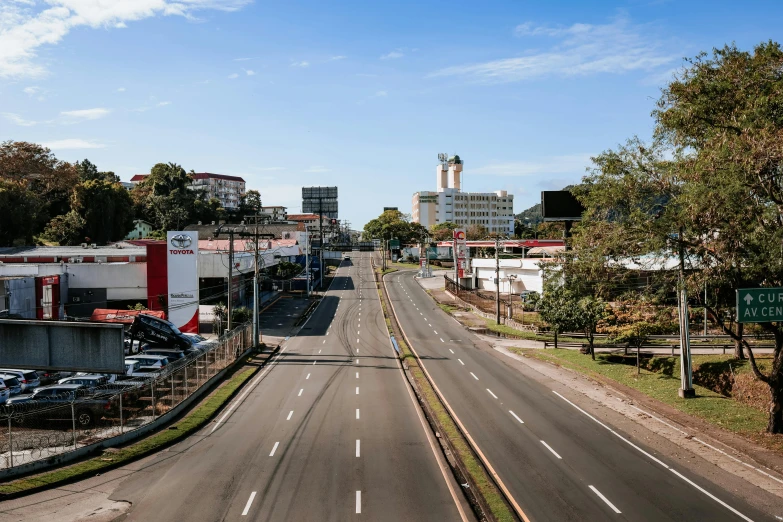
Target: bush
[{"x": 241, "y": 315}]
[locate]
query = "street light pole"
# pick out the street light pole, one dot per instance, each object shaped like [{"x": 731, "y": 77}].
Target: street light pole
[
  {"x": 307, "y": 260},
  {"x": 497, "y": 280},
  {"x": 686, "y": 387}
]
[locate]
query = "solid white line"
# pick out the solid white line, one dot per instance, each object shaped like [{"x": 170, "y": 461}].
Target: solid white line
[
  {"x": 289, "y": 415},
  {"x": 358, "y": 502},
  {"x": 249, "y": 502},
  {"x": 357, "y": 448},
  {"x": 460, "y": 361},
  {"x": 452, "y": 351},
  {"x": 308, "y": 376},
  {"x": 274, "y": 449},
  {"x": 713, "y": 497},
  {"x": 300, "y": 392},
  {"x": 357, "y": 413},
  {"x": 550, "y": 449},
  {"x": 357, "y": 390},
  {"x": 515, "y": 416},
  {"x": 474, "y": 375},
  {"x": 490, "y": 392},
  {"x": 605, "y": 500}
]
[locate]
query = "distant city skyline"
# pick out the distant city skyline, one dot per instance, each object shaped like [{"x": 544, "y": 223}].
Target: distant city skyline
[{"x": 362, "y": 97}]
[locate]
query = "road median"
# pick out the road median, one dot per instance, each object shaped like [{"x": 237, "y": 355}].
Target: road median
[{"x": 485, "y": 497}]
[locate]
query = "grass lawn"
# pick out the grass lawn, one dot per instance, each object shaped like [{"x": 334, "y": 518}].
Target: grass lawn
[
  {"x": 404, "y": 265},
  {"x": 663, "y": 385}
]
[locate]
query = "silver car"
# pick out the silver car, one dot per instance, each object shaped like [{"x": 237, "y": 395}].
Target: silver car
[
  {"x": 5, "y": 393},
  {"x": 27, "y": 378},
  {"x": 12, "y": 382}
]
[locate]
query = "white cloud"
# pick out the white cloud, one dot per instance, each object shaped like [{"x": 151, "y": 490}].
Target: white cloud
[
  {"x": 32, "y": 90},
  {"x": 335, "y": 58},
  {"x": 249, "y": 72},
  {"x": 163, "y": 103},
  {"x": 24, "y": 27},
  {"x": 19, "y": 120},
  {"x": 121, "y": 89},
  {"x": 571, "y": 163},
  {"x": 241, "y": 59},
  {"x": 381, "y": 94},
  {"x": 85, "y": 114},
  {"x": 317, "y": 168},
  {"x": 233, "y": 76},
  {"x": 300, "y": 64},
  {"x": 581, "y": 50},
  {"x": 392, "y": 55},
  {"x": 73, "y": 143}
]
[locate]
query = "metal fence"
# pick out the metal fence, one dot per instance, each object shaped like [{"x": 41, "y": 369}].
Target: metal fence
[{"x": 41, "y": 429}]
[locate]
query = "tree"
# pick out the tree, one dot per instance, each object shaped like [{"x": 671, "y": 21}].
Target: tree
[
  {"x": 66, "y": 229},
  {"x": 395, "y": 224},
  {"x": 20, "y": 209},
  {"x": 476, "y": 232},
  {"x": 88, "y": 171},
  {"x": 558, "y": 309},
  {"x": 106, "y": 208},
  {"x": 208, "y": 211},
  {"x": 47, "y": 180},
  {"x": 164, "y": 197},
  {"x": 589, "y": 312},
  {"x": 250, "y": 203},
  {"x": 443, "y": 231}
]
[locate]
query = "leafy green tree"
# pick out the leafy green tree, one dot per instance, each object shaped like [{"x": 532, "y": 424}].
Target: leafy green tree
[
  {"x": 476, "y": 232},
  {"x": 250, "y": 203},
  {"x": 88, "y": 171},
  {"x": 394, "y": 224},
  {"x": 19, "y": 208},
  {"x": 589, "y": 312},
  {"x": 443, "y": 231},
  {"x": 558, "y": 309},
  {"x": 208, "y": 210},
  {"x": 66, "y": 229},
  {"x": 106, "y": 208},
  {"x": 164, "y": 197}
]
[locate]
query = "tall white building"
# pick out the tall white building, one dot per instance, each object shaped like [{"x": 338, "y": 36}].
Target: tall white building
[{"x": 494, "y": 210}]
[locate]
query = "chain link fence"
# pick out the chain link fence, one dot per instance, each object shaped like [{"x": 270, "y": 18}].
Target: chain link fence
[{"x": 63, "y": 422}]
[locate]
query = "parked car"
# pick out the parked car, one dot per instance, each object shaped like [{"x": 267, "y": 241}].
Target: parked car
[
  {"x": 90, "y": 382},
  {"x": 12, "y": 382},
  {"x": 149, "y": 360},
  {"x": 199, "y": 341},
  {"x": 27, "y": 378},
  {"x": 50, "y": 376},
  {"x": 145, "y": 372},
  {"x": 5, "y": 392},
  {"x": 158, "y": 332},
  {"x": 171, "y": 354},
  {"x": 131, "y": 366},
  {"x": 38, "y": 405}
]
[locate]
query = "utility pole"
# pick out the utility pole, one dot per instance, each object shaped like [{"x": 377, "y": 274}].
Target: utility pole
[
  {"x": 497, "y": 280},
  {"x": 686, "y": 387},
  {"x": 230, "y": 271},
  {"x": 257, "y": 219},
  {"x": 307, "y": 260},
  {"x": 321, "y": 244}
]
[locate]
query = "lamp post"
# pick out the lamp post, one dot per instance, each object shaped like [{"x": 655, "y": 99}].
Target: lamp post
[{"x": 511, "y": 279}]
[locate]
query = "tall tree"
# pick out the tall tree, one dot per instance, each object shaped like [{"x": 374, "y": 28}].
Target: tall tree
[
  {"x": 250, "y": 203},
  {"x": 443, "y": 231},
  {"x": 165, "y": 198},
  {"x": 20, "y": 208},
  {"x": 107, "y": 210}
]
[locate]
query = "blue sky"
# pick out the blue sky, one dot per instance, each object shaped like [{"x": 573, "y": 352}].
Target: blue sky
[{"x": 362, "y": 95}]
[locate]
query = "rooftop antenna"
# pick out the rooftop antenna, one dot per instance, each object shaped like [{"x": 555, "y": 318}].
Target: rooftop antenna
[{"x": 443, "y": 158}]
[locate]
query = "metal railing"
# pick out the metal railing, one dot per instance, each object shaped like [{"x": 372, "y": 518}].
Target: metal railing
[{"x": 55, "y": 425}]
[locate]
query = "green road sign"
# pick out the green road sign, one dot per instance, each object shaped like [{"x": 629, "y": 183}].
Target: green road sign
[
  {"x": 759, "y": 305},
  {"x": 394, "y": 244}
]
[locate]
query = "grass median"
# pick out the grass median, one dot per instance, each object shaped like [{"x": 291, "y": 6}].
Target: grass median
[
  {"x": 193, "y": 421},
  {"x": 486, "y": 487}
]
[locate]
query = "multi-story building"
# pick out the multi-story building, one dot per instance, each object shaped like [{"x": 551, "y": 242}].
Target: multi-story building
[
  {"x": 277, "y": 212},
  {"x": 493, "y": 210},
  {"x": 227, "y": 189}
]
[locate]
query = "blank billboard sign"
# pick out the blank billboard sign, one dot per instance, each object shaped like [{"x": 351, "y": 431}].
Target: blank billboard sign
[
  {"x": 320, "y": 200},
  {"x": 560, "y": 205},
  {"x": 59, "y": 345}
]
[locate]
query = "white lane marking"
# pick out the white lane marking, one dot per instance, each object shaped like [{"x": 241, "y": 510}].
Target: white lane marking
[
  {"x": 324, "y": 341},
  {"x": 357, "y": 390},
  {"x": 436, "y": 333},
  {"x": 452, "y": 351},
  {"x": 274, "y": 449},
  {"x": 357, "y": 340},
  {"x": 300, "y": 392},
  {"x": 357, "y": 361},
  {"x": 420, "y": 312},
  {"x": 249, "y": 502},
  {"x": 308, "y": 376},
  {"x": 357, "y": 375},
  {"x": 713, "y": 497},
  {"x": 441, "y": 340},
  {"x": 515, "y": 416},
  {"x": 357, "y": 448},
  {"x": 289, "y": 415},
  {"x": 327, "y": 333},
  {"x": 319, "y": 351},
  {"x": 716, "y": 499},
  {"x": 550, "y": 449},
  {"x": 358, "y": 502},
  {"x": 490, "y": 392},
  {"x": 428, "y": 324},
  {"x": 474, "y": 375},
  {"x": 605, "y": 500},
  {"x": 357, "y": 413},
  {"x": 460, "y": 361}
]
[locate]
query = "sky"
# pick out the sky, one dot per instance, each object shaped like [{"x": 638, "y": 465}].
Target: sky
[{"x": 361, "y": 95}]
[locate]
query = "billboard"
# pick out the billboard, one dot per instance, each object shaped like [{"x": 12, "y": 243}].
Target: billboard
[
  {"x": 182, "y": 266},
  {"x": 60, "y": 345},
  {"x": 320, "y": 200},
  {"x": 560, "y": 205}
]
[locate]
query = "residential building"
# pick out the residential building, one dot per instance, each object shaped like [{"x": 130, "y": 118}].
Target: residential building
[
  {"x": 227, "y": 189},
  {"x": 141, "y": 230},
  {"x": 277, "y": 212},
  {"x": 494, "y": 210}
]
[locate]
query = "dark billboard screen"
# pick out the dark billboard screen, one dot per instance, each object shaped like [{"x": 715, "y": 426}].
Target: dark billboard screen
[{"x": 560, "y": 205}]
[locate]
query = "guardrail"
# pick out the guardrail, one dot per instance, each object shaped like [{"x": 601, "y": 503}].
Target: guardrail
[
  {"x": 43, "y": 429},
  {"x": 651, "y": 348}
]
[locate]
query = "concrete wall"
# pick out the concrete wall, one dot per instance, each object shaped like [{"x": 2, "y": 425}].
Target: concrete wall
[{"x": 529, "y": 275}]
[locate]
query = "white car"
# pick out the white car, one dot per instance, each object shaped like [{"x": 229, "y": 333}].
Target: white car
[
  {"x": 149, "y": 360},
  {"x": 144, "y": 372}
]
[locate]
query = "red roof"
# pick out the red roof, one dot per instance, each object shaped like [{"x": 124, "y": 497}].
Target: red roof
[
  {"x": 302, "y": 217},
  {"x": 139, "y": 177}
]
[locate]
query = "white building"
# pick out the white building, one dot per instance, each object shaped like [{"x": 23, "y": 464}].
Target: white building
[
  {"x": 494, "y": 210},
  {"x": 520, "y": 274}
]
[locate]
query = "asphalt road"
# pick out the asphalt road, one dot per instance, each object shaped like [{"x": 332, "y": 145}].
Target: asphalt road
[
  {"x": 328, "y": 432},
  {"x": 557, "y": 461}
]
